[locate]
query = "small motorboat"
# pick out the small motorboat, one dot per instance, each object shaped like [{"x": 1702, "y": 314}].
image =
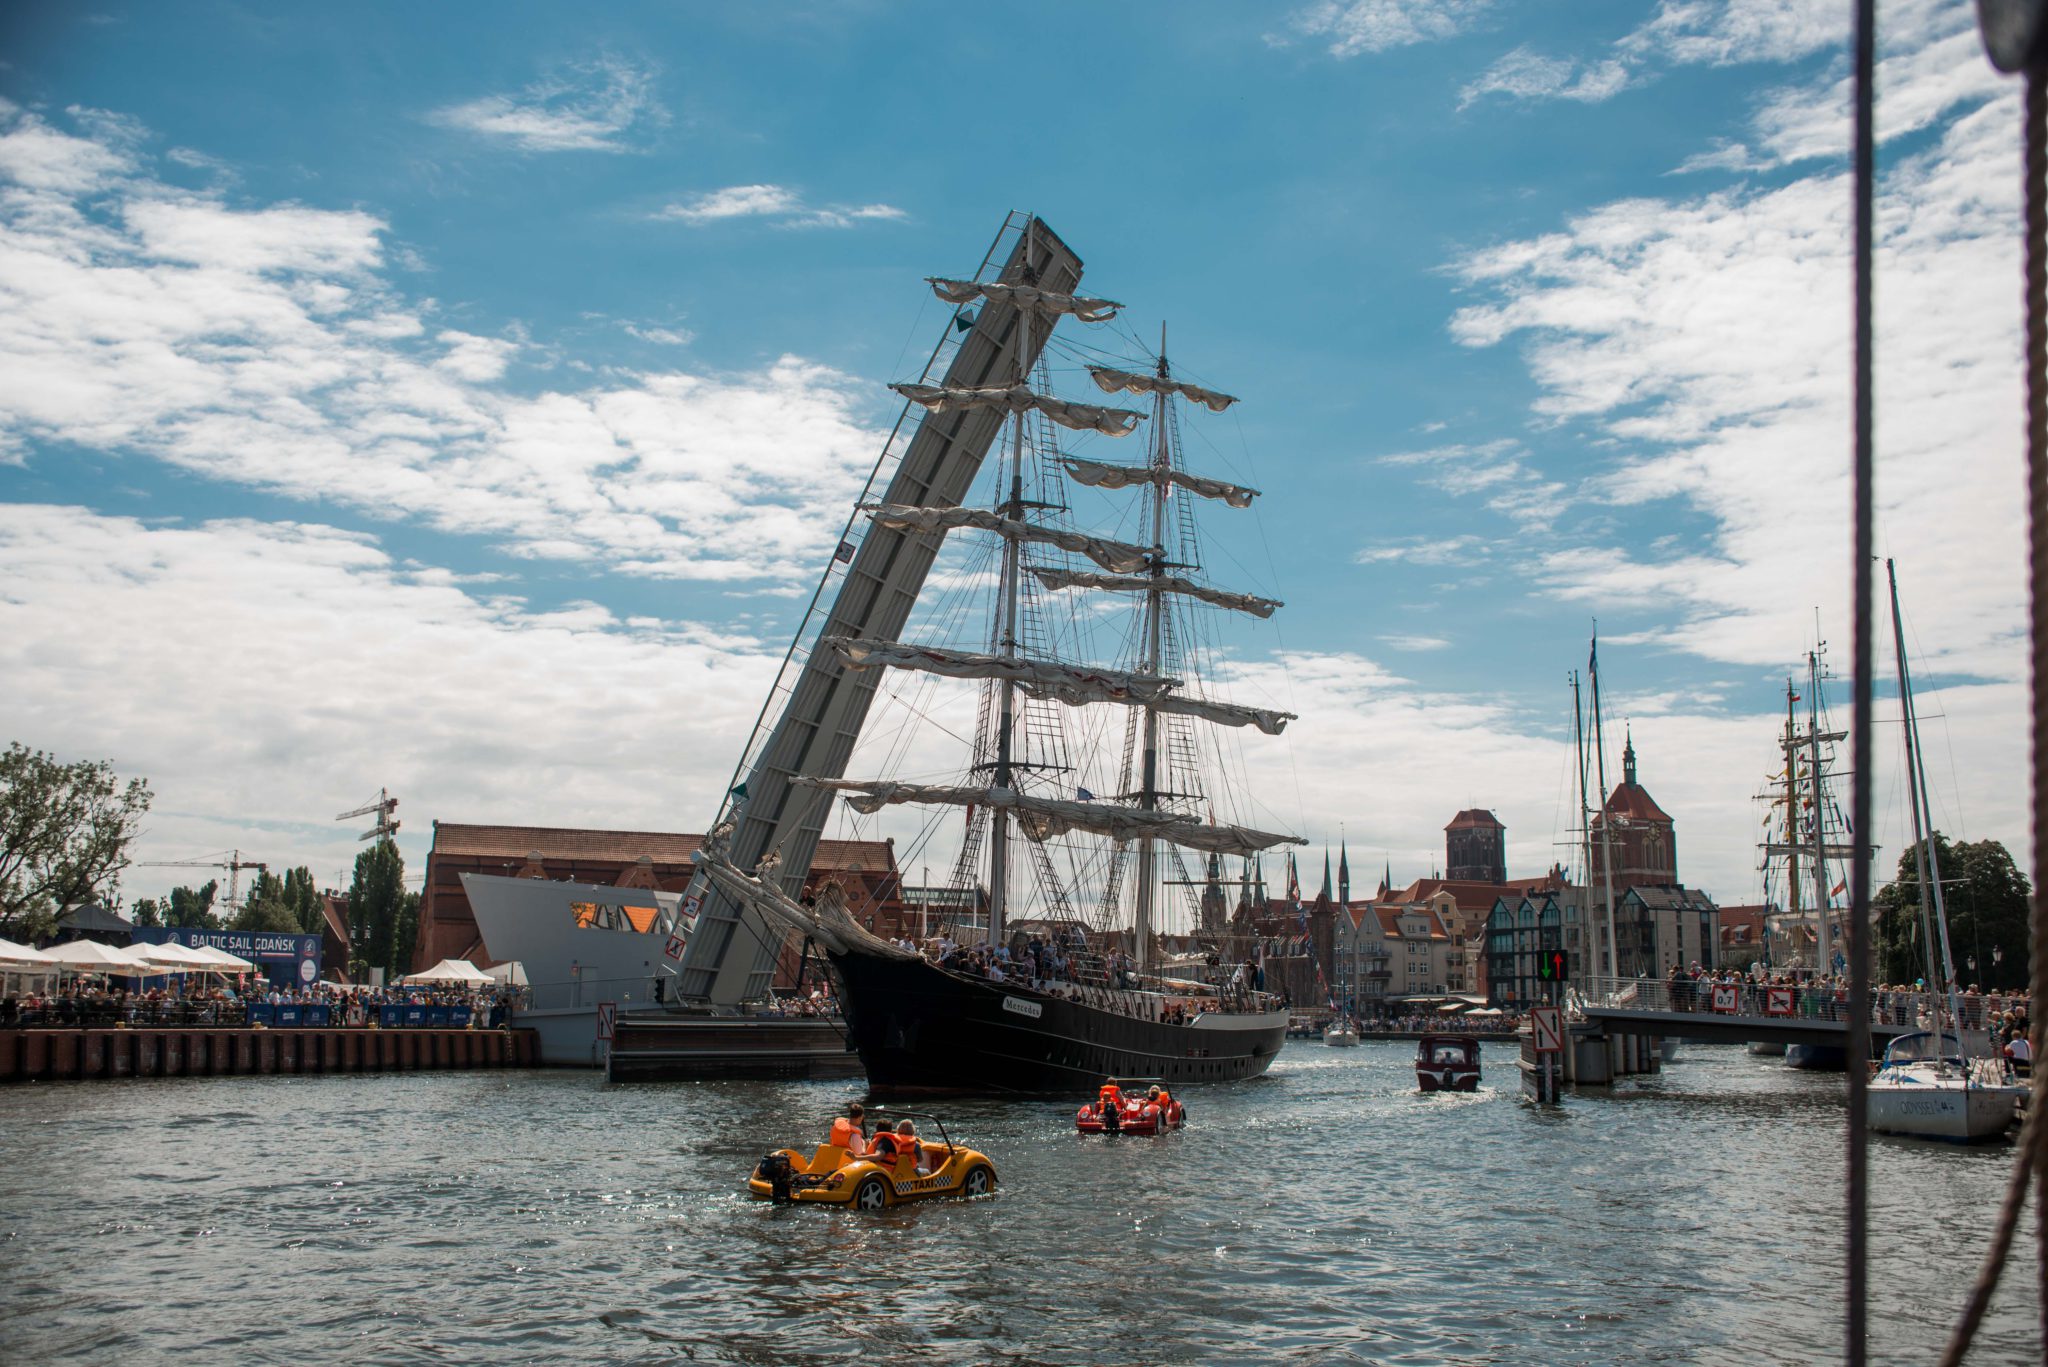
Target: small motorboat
[
  {"x": 830, "y": 1176},
  {"x": 1340, "y": 1034},
  {"x": 1115, "y": 1111},
  {"x": 1447, "y": 1063},
  {"x": 1928, "y": 1090}
]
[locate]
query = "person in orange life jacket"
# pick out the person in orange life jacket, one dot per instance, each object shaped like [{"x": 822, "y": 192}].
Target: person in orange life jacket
[
  {"x": 906, "y": 1143},
  {"x": 882, "y": 1148},
  {"x": 849, "y": 1131},
  {"x": 1110, "y": 1095}
]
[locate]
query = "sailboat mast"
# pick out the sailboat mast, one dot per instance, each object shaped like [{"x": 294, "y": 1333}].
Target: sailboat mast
[
  {"x": 1585, "y": 808},
  {"x": 1927, "y": 858},
  {"x": 1825, "y": 945},
  {"x": 1795, "y": 888},
  {"x": 1606, "y": 810},
  {"x": 1012, "y": 589},
  {"x": 1155, "y": 613}
]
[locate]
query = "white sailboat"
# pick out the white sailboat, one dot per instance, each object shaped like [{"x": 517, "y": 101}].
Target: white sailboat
[{"x": 1931, "y": 1086}]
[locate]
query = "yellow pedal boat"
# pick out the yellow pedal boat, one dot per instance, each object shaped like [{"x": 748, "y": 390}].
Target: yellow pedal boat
[{"x": 830, "y": 1177}]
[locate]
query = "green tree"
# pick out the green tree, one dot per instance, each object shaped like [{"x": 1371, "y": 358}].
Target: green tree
[
  {"x": 147, "y": 912},
  {"x": 64, "y": 835},
  {"x": 303, "y": 896},
  {"x": 376, "y": 902},
  {"x": 408, "y": 933},
  {"x": 192, "y": 909},
  {"x": 1986, "y": 896},
  {"x": 269, "y": 915}
]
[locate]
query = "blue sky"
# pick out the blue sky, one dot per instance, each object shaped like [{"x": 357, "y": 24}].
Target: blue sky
[{"x": 452, "y": 398}]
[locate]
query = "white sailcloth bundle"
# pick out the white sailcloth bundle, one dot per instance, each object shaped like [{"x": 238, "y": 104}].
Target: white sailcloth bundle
[
  {"x": 1128, "y": 382},
  {"x": 1168, "y": 583},
  {"x": 1024, "y": 296},
  {"x": 1040, "y": 678},
  {"x": 1044, "y": 818},
  {"x": 1119, "y": 557},
  {"x": 1099, "y": 475},
  {"x": 1082, "y": 417}
]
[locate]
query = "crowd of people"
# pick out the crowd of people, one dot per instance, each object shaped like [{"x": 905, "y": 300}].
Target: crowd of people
[{"x": 108, "y": 1002}]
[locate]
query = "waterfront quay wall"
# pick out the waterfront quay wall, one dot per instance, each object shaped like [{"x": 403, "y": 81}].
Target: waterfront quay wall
[{"x": 198, "y": 1051}]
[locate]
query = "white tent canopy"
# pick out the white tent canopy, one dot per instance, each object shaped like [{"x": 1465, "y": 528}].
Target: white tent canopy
[
  {"x": 175, "y": 957},
  {"x": 86, "y": 956},
  {"x": 452, "y": 971},
  {"x": 13, "y": 955},
  {"x": 220, "y": 958},
  {"x": 512, "y": 974}
]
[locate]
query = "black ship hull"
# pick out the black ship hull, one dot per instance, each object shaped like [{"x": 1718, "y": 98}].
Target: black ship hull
[{"x": 920, "y": 1028}]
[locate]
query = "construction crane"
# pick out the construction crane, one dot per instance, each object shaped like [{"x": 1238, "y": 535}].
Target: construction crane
[
  {"x": 384, "y": 806},
  {"x": 234, "y": 864}
]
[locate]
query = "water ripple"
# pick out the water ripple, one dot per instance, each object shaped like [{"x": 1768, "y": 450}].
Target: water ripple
[{"x": 1324, "y": 1214}]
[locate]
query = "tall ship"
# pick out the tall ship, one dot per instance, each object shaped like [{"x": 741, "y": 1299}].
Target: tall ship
[{"x": 1090, "y": 779}]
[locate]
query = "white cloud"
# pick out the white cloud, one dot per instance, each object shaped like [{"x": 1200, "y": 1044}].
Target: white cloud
[
  {"x": 1416, "y": 642},
  {"x": 1725, "y": 32},
  {"x": 1527, "y": 75},
  {"x": 1703, "y": 344},
  {"x": 1499, "y": 470},
  {"x": 135, "y": 642},
  {"x": 1426, "y": 550},
  {"x": 265, "y": 346},
  {"x": 779, "y": 204},
  {"x": 584, "y": 107},
  {"x": 1352, "y": 27}
]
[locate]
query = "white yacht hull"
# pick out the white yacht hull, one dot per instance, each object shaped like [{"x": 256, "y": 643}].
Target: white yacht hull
[
  {"x": 1947, "y": 1109},
  {"x": 1340, "y": 1039}
]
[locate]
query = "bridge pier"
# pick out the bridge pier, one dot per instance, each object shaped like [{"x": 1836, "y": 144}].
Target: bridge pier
[{"x": 1597, "y": 1060}]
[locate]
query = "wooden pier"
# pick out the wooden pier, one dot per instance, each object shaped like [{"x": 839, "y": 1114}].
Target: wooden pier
[{"x": 203, "y": 1051}]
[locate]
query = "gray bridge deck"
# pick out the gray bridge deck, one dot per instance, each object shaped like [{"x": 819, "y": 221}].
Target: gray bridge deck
[{"x": 1796, "y": 1015}]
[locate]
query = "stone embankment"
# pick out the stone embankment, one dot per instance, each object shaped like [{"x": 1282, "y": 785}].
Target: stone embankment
[{"x": 54, "y": 1055}]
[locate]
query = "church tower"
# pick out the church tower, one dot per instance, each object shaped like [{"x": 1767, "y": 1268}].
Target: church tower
[{"x": 1476, "y": 848}]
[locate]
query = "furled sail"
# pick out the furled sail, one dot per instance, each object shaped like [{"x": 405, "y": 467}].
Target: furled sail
[
  {"x": 1024, "y": 297},
  {"x": 1044, "y": 818},
  {"x": 1070, "y": 683},
  {"x": 1118, "y": 557},
  {"x": 1227, "y": 714},
  {"x": 1082, "y": 417},
  {"x": 1101, "y": 476},
  {"x": 1222, "y": 598},
  {"x": 827, "y": 923},
  {"x": 1124, "y": 381}
]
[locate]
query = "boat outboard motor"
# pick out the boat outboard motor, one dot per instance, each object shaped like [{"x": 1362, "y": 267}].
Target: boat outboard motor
[{"x": 776, "y": 1170}]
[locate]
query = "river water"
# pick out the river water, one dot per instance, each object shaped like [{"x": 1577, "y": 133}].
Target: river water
[{"x": 1324, "y": 1213}]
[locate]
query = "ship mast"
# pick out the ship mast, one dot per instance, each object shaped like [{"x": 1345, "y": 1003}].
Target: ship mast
[
  {"x": 1011, "y": 593},
  {"x": 1585, "y": 808},
  {"x": 1824, "y": 947},
  {"x": 1154, "y": 626},
  {"x": 1794, "y": 888},
  {"x": 1927, "y": 858},
  {"x": 1606, "y": 812}
]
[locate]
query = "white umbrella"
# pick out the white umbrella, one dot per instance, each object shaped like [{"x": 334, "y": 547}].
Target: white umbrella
[
  {"x": 174, "y": 957},
  {"x": 12, "y": 953},
  {"x": 221, "y": 959},
  {"x": 451, "y": 971},
  {"x": 86, "y": 956}
]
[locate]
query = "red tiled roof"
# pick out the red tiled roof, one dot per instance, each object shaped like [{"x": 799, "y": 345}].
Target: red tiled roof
[
  {"x": 1475, "y": 816},
  {"x": 558, "y": 842},
  {"x": 1473, "y": 893},
  {"x": 1632, "y": 802}
]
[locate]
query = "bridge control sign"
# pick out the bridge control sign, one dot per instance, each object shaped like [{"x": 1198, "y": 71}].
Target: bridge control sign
[
  {"x": 1777, "y": 1001},
  {"x": 1546, "y": 1024},
  {"x": 607, "y": 1013},
  {"x": 1724, "y": 998}
]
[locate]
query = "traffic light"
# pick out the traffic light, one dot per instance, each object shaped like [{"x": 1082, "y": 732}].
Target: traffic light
[{"x": 1553, "y": 965}]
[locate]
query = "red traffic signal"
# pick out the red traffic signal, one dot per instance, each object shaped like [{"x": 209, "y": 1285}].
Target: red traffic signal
[{"x": 1553, "y": 965}]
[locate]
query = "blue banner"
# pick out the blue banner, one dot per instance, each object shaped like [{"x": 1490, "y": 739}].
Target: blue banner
[{"x": 391, "y": 1015}]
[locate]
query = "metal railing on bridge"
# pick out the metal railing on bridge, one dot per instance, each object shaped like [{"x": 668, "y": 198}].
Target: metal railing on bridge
[{"x": 1806, "y": 1001}]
